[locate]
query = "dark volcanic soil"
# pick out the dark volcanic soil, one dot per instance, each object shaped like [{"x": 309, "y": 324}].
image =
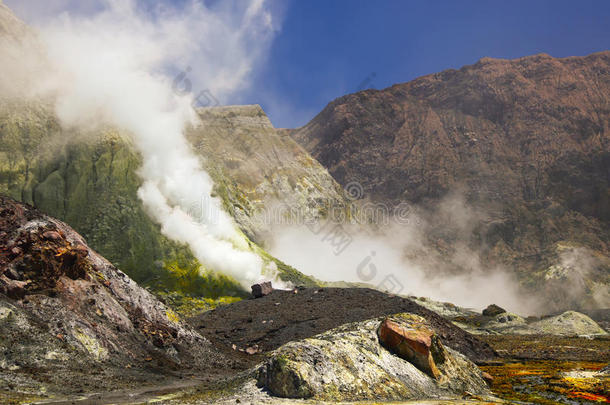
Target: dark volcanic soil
[{"x": 283, "y": 316}]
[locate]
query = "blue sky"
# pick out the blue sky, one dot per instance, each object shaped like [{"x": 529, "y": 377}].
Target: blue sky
[
  {"x": 324, "y": 49},
  {"x": 327, "y": 48}
]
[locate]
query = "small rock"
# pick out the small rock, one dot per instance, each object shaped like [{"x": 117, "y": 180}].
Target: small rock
[
  {"x": 261, "y": 289},
  {"x": 252, "y": 349},
  {"x": 51, "y": 235},
  {"x": 16, "y": 250},
  {"x": 487, "y": 377},
  {"x": 13, "y": 274},
  {"x": 493, "y": 310},
  {"x": 81, "y": 249}
]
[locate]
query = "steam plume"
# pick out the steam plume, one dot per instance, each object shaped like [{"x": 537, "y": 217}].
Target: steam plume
[{"x": 112, "y": 67}]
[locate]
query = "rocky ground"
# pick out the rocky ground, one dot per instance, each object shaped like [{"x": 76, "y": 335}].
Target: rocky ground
[
  {"x": 266, "y": 323},
  {"x": 73, "y": 325}
]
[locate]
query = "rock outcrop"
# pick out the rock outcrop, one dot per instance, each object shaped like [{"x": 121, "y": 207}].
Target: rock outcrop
[
  {"x": 262, "y": 174},
  {"x": 88, "y": 178},
  {"x": 349, "y": 363},
  {"x": 65, "y": 309},
  {"x": 525, "y": 145},
  {"x": 569, "y": 323},
  {"x": 493, "y": 310}
]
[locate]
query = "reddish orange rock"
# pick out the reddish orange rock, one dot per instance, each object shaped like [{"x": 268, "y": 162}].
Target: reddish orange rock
[{"x": 417, "y": 345}]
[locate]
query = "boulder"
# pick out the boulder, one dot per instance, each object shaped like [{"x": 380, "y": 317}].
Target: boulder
[
  {"x": 262, "y": 289},
  {"x": 349, "y": 363},
  {"x": 493, "y": 310},
  {"x": 416, "y": 344}
]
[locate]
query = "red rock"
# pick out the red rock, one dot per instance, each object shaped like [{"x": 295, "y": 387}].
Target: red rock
[
  {"x": 415, "y": 345},
  {"x": 262, "y": 289}
]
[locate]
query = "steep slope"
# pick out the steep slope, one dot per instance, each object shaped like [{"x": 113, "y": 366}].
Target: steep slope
[
  {"x": 265, "y": 175},
  {"x": 525, "y": 143}
]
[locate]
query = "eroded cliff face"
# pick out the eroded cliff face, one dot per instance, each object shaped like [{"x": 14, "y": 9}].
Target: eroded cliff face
[
  {"x": 524, "y": 142},
  {"x": 265, "y": 177}
]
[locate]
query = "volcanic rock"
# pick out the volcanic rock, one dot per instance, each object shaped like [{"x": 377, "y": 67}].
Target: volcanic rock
[
  {"x": 523, "y": 145},
  {"x": 262, "y": 289},
  {"x": 349, "y": 363},
  {"x": 413, "y": 341},
  {"x": 569, "y": 323},
  {"x": 71, "y": 310},
  {"x": 493, "y": 310}
]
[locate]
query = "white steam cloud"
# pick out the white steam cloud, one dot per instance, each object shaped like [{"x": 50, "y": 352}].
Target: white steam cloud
[
  {"x": 396, "y": 258},
  {"x": 112, "y": 67}
]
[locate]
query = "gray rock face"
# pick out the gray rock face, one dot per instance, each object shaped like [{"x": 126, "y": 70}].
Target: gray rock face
[
  {"x": 264, "y": 176},
  {"x": 349, "y": 363}
]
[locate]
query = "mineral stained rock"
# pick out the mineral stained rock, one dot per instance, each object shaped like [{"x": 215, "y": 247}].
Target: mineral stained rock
[
  {"x": 417, "y": 344},
  {"x": 569, "y": 323},
  {"x": 349, "y": 363}
]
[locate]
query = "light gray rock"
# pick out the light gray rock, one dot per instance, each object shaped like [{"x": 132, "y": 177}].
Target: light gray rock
[
  {"x": 570, "y": 323},
  {"x": 348, "y": 363}
]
